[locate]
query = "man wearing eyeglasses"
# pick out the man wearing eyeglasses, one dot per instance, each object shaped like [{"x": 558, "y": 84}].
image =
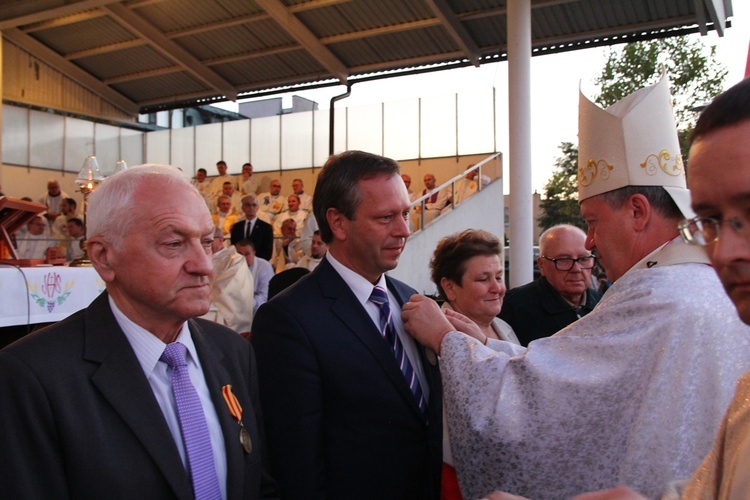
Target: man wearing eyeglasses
[
  {"x": 633, "y": 392},
  {"x": 563, "y": 292}
]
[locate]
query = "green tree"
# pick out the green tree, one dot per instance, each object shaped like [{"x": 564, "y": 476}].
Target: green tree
[{"x": 560, "y": 202}]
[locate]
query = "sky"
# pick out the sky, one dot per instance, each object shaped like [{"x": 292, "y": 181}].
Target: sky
[{"x": 555, "y": 80}]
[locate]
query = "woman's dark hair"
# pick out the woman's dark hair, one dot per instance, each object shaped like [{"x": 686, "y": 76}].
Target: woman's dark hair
[{"x": 452, "y": 253}]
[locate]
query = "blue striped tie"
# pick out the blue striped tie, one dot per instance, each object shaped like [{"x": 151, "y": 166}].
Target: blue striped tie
[{"x": 380, "y": 297}]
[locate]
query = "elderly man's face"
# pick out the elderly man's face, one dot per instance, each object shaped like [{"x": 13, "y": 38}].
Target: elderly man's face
[
  {"x": 249, "y": 207},
  {"x": 407, "y": 180},
  {"x": 559, "y": 243},
  {"x": 720, "y": 189},
  {"x": 217, "y": 244},
  {"x": 429, "y": 181},
  {"x": 224, "y": 204},
  {"x": 289, "y": 228},
  {"x": 53, "y": 188},
  {"x": 160, "y": 273},
  {"x": 275, "y": 187},
  {"x": 297, "y": 186}
]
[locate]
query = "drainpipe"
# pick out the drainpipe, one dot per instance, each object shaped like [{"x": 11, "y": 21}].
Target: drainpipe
[{"x": 332, "y": 114}]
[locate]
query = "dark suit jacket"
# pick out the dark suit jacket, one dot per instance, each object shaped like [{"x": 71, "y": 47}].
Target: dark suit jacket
[
  {"x": 262, "y": 237},
  {"x": 341, "y": 420},
  {"x": 79, "y": 419},
  {"x": 536, "y": 310}
]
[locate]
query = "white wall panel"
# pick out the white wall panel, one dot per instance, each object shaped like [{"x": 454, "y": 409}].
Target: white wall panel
[
  {"x": 320, "y": 141},
  {"x": 157, "y": 147},
  {"x": 182, "y": 149},
  {"x": 107, "y": 147},
  {"x": 131, "y": 146},
  {"x": 475, "y": 122},
  {"x": 365, "y": 125},
  {"x": 208, "y": 148},
  {"x": 236, "y": 145},
  {"x": 79, "y": 143},
  {"x": 438, "y": 126},
  {"x": 401, "y": 129},
  {"x": 297, "y": 140},
  {"x": 264, "y": 144},
  {"x": 46, "y": 140},
  {"x": 15, "y": 135}
]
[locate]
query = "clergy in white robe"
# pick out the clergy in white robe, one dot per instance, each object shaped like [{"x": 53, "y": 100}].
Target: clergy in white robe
[{"x": 632, "y": 393}]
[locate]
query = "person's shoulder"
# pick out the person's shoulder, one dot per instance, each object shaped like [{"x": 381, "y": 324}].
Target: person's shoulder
[
  {"x": 264, "y": 265},
  {"x": 523, "y": 293},
  {"x": 218, "y": 333},
  {"x": 54, "y": 341},
  {"x": 403, "y": 289}
]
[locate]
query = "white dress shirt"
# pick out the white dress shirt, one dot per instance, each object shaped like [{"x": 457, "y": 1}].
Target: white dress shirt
[
  {"x": 362, "y": 289},
  {"x": 148, "y": 349}
]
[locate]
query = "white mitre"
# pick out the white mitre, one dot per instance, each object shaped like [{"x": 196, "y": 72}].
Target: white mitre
[{"x": 631, "y": 143}]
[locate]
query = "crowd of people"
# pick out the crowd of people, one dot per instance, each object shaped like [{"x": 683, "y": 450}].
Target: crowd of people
[{"x": 353, "y": 385}]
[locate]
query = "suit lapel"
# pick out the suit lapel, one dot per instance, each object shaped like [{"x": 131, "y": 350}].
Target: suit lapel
[
  {"x": 121, "y": 381},
  {"x": 354, "y": 317},
  {"x": 217, "y": 376}
]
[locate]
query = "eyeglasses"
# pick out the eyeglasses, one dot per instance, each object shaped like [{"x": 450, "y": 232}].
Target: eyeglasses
[
  {"x": 703, "y": 231},
  {"x": 566, "y": 263}
]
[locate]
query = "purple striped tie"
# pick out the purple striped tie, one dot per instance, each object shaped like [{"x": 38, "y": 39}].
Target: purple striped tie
[
  {"x": 192, "y": 425},
  {"x": 380, "y": 297}
]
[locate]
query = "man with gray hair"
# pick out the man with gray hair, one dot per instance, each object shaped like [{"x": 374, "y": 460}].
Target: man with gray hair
[
  {"x": 132, "y": 396},
  {"x": 563, "y": 292},
  {"x": 631, "y": 393}
]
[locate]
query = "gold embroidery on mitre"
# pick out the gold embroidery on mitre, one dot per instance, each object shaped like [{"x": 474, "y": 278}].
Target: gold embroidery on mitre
[
  {"x": 593, "y": 169},
  {"x": 662, "y": 161}
]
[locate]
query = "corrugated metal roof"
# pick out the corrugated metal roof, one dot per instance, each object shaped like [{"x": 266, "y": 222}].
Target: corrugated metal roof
[{"x": 166, "y": 53}]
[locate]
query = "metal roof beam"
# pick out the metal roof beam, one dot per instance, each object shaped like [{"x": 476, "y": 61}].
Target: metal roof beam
[
  {"x": 251, "y": 55},
  {"x": 143, "y": 74},
  {"x": 170, "y": 49},
  {"x": 455, "y": 29},
  {"x": 18, "y": 14},
  {"x": 304, "y": 37},
  {"x": 104, "y": 49},
  {"x": 394, "y": 28},
  {"x": 70, "y": 70}
]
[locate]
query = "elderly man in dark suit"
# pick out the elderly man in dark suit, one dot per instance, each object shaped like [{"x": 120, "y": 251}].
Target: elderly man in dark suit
[
  {"x": 353, "y": 405},
  {"x": 259, "y": 232},
  {"x": 130, "y": 397}
]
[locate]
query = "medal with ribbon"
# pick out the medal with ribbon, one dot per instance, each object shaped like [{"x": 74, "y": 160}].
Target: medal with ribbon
[{"x": 236, "y": 410}]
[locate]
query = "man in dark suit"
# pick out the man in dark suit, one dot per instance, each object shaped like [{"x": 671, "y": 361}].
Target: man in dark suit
[
  {"x": 343, "y": 420},
  {"x": 259, "y": 232},
  {"x": 90, "y": 407}
]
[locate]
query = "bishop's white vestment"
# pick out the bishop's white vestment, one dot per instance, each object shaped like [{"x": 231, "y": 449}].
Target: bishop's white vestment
[{"x": 631, "y": 394}]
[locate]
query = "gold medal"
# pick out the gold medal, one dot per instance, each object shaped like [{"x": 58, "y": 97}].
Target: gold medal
[
  {"x": 431, "y": 357},
  {"x": 247, "y": 443}
]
